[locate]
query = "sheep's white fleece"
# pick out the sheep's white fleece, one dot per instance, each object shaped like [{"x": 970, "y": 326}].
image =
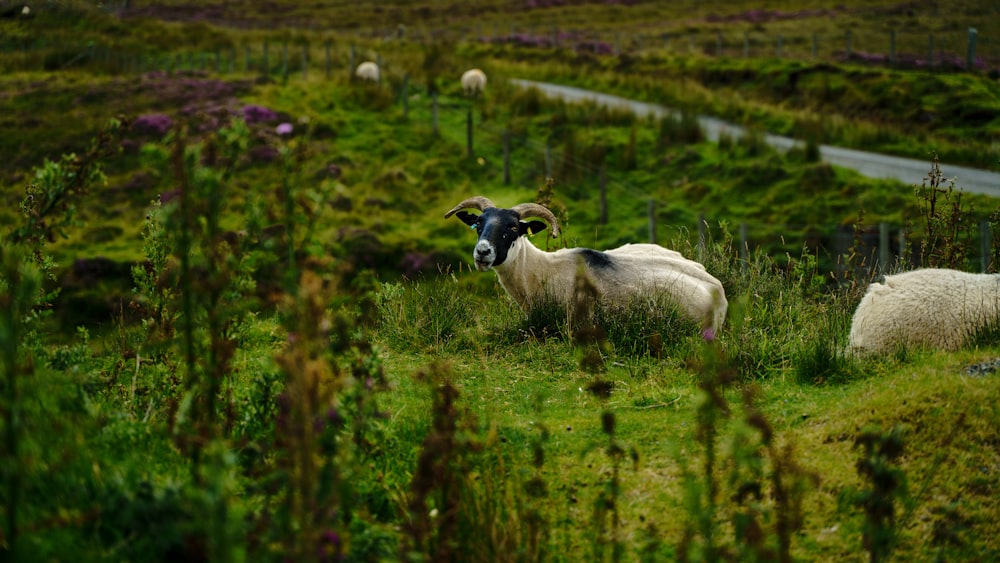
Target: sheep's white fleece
[
  {"x": 367, "y": 71},
  {"x": 473, "y": 81},
  {"x": 640, "y": 270},
  {"x": 929, "y": 308}
]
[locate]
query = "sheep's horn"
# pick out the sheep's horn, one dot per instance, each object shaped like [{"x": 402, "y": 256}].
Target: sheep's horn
[
  {"x": 476, "y": 202},
  {"x": 526, "y": 210}
]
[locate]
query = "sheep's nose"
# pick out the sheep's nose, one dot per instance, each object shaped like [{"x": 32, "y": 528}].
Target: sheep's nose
[{"x": 482, "y": 251}]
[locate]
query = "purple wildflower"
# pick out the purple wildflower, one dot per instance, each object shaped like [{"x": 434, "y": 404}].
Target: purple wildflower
[
  {"x": 284, "y": 129},
  {"x": 153, "y": 124},
  {"x": 256, "y": 114},
  {"x": 708, "y": 334}
]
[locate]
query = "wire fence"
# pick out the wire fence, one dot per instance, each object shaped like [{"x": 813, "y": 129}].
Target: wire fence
[
  {"x": 518, "y": 159},
  {"x": 951, "y": 47}
]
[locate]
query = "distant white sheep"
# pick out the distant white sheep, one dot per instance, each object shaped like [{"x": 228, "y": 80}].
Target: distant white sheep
[
  {"x": 473, "y": 82},
  {"x": 531, "y": 276},
  {"x": 368, "y": 71},
  {"x": 930, "y": 308}
]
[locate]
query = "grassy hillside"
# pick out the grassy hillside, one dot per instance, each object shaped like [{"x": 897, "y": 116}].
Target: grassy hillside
[{"x": 235, "y": 325}]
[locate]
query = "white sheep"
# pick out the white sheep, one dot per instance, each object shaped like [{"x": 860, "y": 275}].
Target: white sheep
[
  {"x": 473, "y": 82},
  {"x": 530, "y": 275},
  {"x": 929, "y": 308},
  {"x": 367, "y": 71}
]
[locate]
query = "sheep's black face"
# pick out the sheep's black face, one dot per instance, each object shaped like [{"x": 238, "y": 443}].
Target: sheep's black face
[{"x": 497, "y": 229}]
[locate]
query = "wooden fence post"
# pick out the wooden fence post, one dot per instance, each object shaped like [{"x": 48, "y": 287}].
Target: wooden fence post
[{"x": 970, "y": 53}]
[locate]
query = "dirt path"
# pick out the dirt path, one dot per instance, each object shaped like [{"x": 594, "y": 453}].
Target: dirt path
[{"x": 873, "y": 165}]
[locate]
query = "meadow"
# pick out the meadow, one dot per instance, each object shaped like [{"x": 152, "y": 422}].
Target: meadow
[{"x": 235, "y": 325}]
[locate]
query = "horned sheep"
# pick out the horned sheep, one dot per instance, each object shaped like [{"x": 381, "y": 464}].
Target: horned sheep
[
  {"x": 530, "y": 275},
  {"x": 928, "y": 308},
  {"x": 368, "y": 71},
  {"x": 473, "y": 82}
]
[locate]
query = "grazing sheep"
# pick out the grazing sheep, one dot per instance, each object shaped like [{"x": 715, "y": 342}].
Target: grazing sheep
[
  {"x": 368, "y": 71},
  {"x": 930, "y": 308},
  {"x": 530, "y": 275},
  {"x": 473, "y": 82}
]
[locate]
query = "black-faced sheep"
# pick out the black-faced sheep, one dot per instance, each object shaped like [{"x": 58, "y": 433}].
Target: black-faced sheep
[
  {"x": 368, "y": 71},
  {"x": 530, "y": 275},
  {"x": 473, "y": 82},
  {"x": 930, "y": 308}
]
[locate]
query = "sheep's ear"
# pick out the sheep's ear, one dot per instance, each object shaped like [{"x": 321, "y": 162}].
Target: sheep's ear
[
  {"x": 467, "y": 217},
  {"x": 532, "y": 227}
]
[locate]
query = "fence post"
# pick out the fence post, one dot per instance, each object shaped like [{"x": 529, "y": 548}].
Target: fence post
[
  {"x": 985, "y": 244},
  {"x": 506, "y": 157},
  {"x": 652, "y": 220},
  {"x": 468, "y": 131},
  {"x": 970, "y": 54}
]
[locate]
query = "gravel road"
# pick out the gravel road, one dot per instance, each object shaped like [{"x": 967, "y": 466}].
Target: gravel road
[{"x": 872, "y": 165}]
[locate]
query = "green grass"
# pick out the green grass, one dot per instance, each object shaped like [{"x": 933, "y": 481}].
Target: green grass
[{"x": 400, "y": 399}]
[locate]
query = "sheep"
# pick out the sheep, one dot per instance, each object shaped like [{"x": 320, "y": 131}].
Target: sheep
[
  {"x": 367, "y": 71},
  {"x": 930, "y": 308},
  {"x": 473, "y": 82},
  {"x": 530, "y": 275}
]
